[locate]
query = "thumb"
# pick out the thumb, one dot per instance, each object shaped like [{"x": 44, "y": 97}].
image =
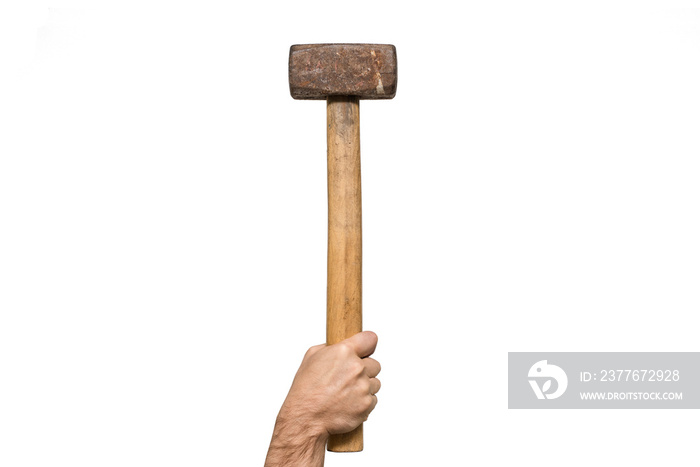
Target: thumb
[{"x": 363, "y": 343}]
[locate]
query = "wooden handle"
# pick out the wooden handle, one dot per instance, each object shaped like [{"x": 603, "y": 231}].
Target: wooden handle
[{"x": 344, "y": 294}]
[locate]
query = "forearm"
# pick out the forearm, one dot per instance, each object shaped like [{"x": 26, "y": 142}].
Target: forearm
[{"x": 295, "y": 442}]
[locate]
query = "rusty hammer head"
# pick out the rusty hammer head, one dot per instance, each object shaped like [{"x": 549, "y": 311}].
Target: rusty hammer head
[{"x": 367, "y": 71}]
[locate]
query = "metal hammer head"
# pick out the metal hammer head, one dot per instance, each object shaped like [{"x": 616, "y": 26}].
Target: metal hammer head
[{"x": 367, "y": 71}]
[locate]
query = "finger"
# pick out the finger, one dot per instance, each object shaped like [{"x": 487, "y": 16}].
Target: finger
[
  {"x": 372, "y": 367},
  {"x": 374, "y": 404},
  {"x": 374, "y": 386},
  {"x": 363, "y": 343}
]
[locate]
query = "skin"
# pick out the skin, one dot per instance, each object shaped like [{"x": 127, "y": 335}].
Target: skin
[{"x": 332, "y": 392}]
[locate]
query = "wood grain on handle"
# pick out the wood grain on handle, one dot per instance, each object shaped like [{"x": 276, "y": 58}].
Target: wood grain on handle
[{"x": 344, "y": 294}]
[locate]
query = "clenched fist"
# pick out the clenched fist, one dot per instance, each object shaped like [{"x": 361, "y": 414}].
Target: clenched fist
[{"x": 333, "y": 392}]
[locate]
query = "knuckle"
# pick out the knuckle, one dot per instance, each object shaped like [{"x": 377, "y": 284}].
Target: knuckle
[
  {"x": 357, "y": 368},
  {"x": 309, "y": 352},
  {"x": 312, "y": 350},
  {"x": 343, "y": 349}
]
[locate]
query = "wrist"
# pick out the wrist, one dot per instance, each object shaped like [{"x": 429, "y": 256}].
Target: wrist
[
  {"x": 296, "y": 442},
  {"x": 301, "y": 422}
]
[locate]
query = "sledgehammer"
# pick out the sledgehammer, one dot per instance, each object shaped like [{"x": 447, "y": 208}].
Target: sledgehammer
[{"x": 343, "y": 74}]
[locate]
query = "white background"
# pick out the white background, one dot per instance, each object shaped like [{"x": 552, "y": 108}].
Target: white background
[{"x": 534, "y": 186}]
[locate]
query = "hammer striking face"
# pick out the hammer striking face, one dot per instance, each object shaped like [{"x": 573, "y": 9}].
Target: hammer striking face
[{"x": 367, "y": 71}]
